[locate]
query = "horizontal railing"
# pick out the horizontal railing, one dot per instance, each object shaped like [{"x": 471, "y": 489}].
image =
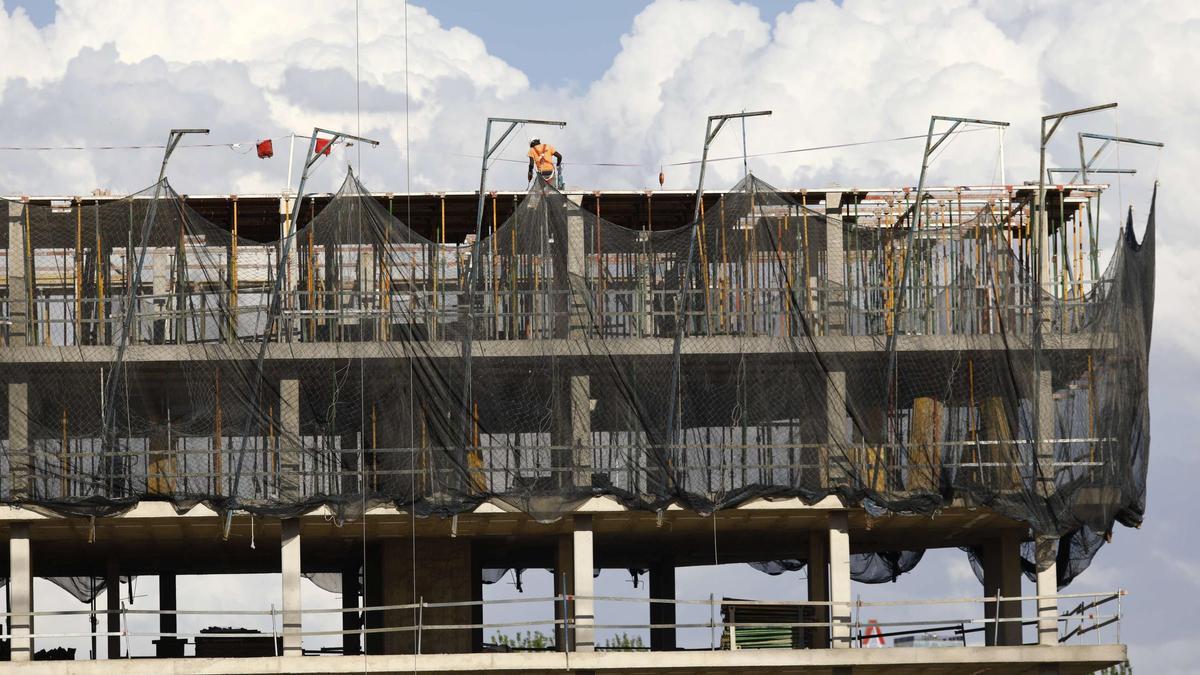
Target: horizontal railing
[
  {"x": 267, "y": 467},
  {"x": 211, "y": 314},
  {"x": 843, "y": 621}
]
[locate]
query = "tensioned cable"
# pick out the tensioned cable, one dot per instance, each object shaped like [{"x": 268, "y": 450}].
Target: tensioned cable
[
  {"x": 792, "y": 151},
  {"x": 158, "y": 146},
  {"x": 362, "y": 398},
  {"x": 412, "y": 476}
]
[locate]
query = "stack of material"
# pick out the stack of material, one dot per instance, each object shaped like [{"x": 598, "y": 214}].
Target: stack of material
[{"x": 770, "y": 625}]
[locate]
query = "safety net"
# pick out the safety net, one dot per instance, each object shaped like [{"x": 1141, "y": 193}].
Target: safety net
[{"x": 772, "y": 349}]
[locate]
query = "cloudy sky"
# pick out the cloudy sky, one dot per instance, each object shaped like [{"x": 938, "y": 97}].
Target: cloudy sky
[{"x": 635, "y": 80}]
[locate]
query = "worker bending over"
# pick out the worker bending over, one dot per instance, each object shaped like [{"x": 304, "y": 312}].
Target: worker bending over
[{"x": 539, "y": 158}]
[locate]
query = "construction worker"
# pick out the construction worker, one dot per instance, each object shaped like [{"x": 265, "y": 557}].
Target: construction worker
[{"x": 539, "y": 158}]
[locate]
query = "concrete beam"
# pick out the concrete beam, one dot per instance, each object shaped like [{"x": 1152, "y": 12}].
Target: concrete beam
[
  {"x": 1002, "y": 578},
  {"x": 20, "y": 591},
  {"x": 839, "y": 346},
  {"x": 839, "y": 578},
  {"x": 289, "y": 553}
]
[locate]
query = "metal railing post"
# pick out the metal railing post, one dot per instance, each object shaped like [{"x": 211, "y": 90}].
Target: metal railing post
[
  {"x": 712, "y": 623},
  {"x": 274, "y": 633},
  {"x": 420, "y": 620}
]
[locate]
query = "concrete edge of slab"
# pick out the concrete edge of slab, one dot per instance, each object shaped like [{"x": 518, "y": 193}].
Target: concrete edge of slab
[{"x": 1098, "y": 656}]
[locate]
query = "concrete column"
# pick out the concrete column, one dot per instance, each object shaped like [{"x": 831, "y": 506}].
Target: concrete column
[
  {"x": 476, "y": 596},
  {"x": 572, "y": 434},
  {"x": 112, "y": 603},
  {"x": 289, "y": 550},
  {"x": 351, "y": 620},
  {"x": 818, "y": 586},
  {"x": 20, "y": 591},
  {"x": 289, "y": 440},
  {"x": 20, "y": 464},
  {"x": 839, "y": 577},
  {"x": 1002, "y": 575},
  {"x": 1046, "y": 551},
  {"x": 168, "y": 622},
  {"x": 372, "y": 592},
  {"x": 292, "y": 267},
  {"x": 834, "y": 461},
  {"x": 581, "y": 430},
  {"x": 581, "y": 314},
  {"x": 662, "y": 587},
  {"x": 835, "y": 267},
  {"x": 442, "y": 573},
  {"x": 564, "y": 584},
  {"x": 18, "y": 283},
  {"x": 583, "y": 605},
  {"x": 1044, "y": 391}
]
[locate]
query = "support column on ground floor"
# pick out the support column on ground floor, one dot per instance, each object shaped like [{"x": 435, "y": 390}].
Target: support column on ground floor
[
  {"x": 289, "y": 549},
  {"x": 372, "y": 591},
  {"x": 20, "y": 591},
  {"x": 477, "y": 597},
  {"x": 662, "y": 587},
  {"x": 1046, "y": 551},
  {"x": 352, "y": 620},
  {"x": 583, "y": 606},
  {"x": 433, "y": 570},
  {"x": 564, "y": 585},
  {"x": 112, "y": 597},
  {"x": 1001, "y": 562},
  {"x": 839, "y": 578},
  {"x": 818, "y": 586},
  {"x": 168, "y": 621}
]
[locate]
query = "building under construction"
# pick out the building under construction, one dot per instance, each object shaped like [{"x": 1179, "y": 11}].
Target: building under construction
[{"x": 836, "y": 379}]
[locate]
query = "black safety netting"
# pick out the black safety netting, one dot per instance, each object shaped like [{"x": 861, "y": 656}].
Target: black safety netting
[{"x": 771, "y": 350}]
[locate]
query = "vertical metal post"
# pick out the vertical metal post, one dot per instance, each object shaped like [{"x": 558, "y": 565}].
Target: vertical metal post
[{"x": 489, "y": 149}]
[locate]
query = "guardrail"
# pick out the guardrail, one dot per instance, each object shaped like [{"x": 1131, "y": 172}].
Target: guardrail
[{"x": 850, "y": 631}]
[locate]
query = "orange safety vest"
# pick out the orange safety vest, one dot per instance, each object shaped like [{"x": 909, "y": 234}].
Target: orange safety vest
[{"x": 542, "y": 156}]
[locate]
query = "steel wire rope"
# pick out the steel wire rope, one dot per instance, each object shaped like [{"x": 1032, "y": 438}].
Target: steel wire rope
[
  {"x": 362, "y": 401},
  {"x": 412, "y": 476}
]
